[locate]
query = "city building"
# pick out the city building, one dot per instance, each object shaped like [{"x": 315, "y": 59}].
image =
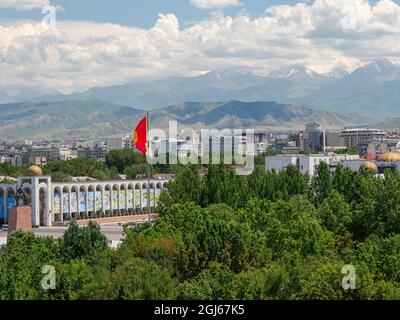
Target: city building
[
  {"x": 313, "y": 138},
  {"x": 309, "y": 163},
  {"x": 305, "y": 163},
  {"x": 97, "y": 151},
  {"x": 38, "y": 161},
  {"x": 50, "y": 153},
  {"x": 334, "y": 140},
  {"x": 353, "y": 137},
  {"x": 56, "y": 202},
  {"x": 373, "y": 149},
  {"x": 124, "y": 142},
  {"x": 67, "y": 154}
]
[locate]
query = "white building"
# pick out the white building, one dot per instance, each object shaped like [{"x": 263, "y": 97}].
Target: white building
[
  {"x": 305, "y": 163},
  {"x": 57, "y": 202}
]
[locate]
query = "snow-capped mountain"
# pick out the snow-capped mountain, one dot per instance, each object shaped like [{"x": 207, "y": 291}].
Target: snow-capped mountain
[
  {"x": 373, "y": 89},
  {"x": 380, "y": 70},
  {"x": 297, "y": 73}
]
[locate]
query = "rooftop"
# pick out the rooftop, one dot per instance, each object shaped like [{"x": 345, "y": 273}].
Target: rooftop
[{"x": 363, "y": 130}]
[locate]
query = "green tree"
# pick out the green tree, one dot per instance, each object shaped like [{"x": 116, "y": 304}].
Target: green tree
[
  {"x": 141, "y": 279},
  {"x": 21, "y": 263},
  {"x": 321, "y": 184},
  {"x": 335, "y": 214},
  {"x": 123, "y": 158},
  {"x": 84, "y": 242}
]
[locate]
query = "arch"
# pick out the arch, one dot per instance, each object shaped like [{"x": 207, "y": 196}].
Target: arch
[
  {"x": 82, "y": 203},
  {"x": 74, "y": 202},
  {"x": 43, "y": 206},
  {"x": 8, "y": 202},
  {"x": 57, "y": 189},
  {"x": 66, "y": 207},
  {"x": 107, "y": 197},
  {"x": 115, "y": 198},
  {"x": 130, "y": 198},
  {"x": 57, "y": 203},
  {"x": 99, "y": 199},
  {"x": 91, "y": 199},
  {"x": 123, "y": 198}
]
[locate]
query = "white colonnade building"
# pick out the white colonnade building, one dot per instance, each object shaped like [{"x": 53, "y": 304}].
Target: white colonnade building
[{"x": 56, "y": 202}]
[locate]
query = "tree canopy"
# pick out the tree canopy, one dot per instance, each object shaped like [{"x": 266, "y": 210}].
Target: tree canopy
[{"x": 268, "y": 235}]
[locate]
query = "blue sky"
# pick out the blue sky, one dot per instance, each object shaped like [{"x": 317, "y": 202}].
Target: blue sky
[
  {"x": 108, "y": 42},
  {"x": 140, "y": 13}
]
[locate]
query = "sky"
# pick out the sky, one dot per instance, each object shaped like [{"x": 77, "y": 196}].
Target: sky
[{"x": 102, "y": 42}]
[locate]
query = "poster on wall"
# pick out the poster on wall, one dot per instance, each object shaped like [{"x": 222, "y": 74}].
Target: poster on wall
[
  {"x": 122, "y": 199},
  {"x": 90, "y": 196},
  {"x": 57, "y": 203},
  {"x": 115, "y": 199},
  {"x": 144, "y": 198},
  {"x": 98, "y": 201},
  {"x": 107, "y": 200},
  {"x": 137, "y": 198},
  {"x": 65, "y": 202},
  {"x": 74, "y": 200},
  {"x": 10, "y": 203},
  {"x": 130, "y": 199},
  {"x": 82, "y": 201}
]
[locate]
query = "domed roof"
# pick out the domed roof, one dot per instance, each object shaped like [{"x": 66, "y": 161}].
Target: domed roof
[
  {"x": 390, "y": 156},
  {"x": 34, "y": 171},
  {"x": 371, "y": 166}
]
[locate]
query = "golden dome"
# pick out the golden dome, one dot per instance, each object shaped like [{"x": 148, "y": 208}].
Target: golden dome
[
  {"x": 34, "y": 171},
  {"x": 390, "y": 156},
  {"x": 371, "y": 166}
]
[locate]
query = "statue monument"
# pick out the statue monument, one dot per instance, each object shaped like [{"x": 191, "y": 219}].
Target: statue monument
[{"x": 21, "y": 215}]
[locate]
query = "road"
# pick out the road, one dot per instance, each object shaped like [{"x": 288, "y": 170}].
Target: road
[{"x": 112, "y": 232}]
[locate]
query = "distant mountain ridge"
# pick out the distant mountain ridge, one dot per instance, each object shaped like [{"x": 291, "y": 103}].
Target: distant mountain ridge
[
  {"x": 372, "y": 90},
  {"x": 94, "y": 119},
  {"x": 257, "y": 115},
  {"x": 65, "y": 119}
]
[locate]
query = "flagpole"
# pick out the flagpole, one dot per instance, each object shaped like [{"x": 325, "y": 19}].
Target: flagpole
[{"x": 148, "y": 166}]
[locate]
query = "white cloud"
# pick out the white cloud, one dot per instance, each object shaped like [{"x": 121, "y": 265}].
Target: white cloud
[
  {"x": 211, "y": 4},
  {"x": 23, "y": 4},
  {"x": 323, "y": 35}
]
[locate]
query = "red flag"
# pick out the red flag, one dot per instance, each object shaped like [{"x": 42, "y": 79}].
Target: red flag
[{"x": 140, "y": 136}]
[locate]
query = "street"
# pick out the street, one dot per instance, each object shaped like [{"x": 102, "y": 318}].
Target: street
[{"x": 112, "y": 232}]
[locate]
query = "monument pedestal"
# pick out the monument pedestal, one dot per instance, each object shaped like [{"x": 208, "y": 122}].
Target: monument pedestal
[{"x": 20, "y": 219}]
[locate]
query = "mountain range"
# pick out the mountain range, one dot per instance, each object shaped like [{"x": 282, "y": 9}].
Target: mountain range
[
  {"x": 98, "y": 119},
  {"x": 372, "y": 90}
]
